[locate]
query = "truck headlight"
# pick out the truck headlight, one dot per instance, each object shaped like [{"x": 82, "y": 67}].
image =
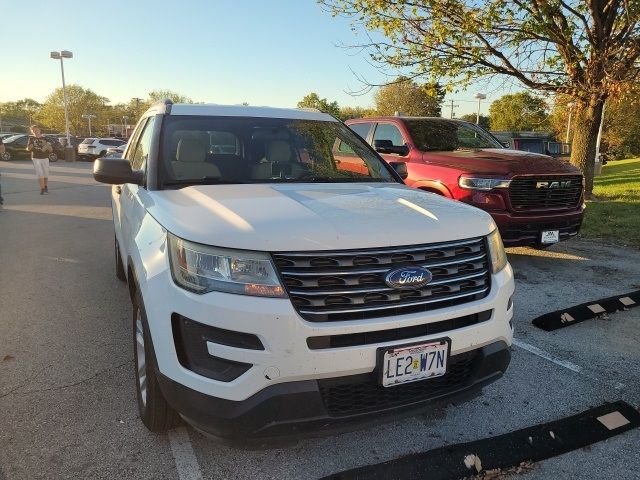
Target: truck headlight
[
  {"x": 202, "y": 269},
  {"x": 497, "y": 254},
  {"x": 474, "y": 183}
]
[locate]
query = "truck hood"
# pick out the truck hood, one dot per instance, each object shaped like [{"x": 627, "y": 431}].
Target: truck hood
[
  {"x": 307, "y": 217},
  {"x": 499, "y": 161}
]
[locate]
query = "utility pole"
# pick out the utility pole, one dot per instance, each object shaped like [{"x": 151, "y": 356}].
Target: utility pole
[
  {"x": 452, "y": 106},
  {"x": 137, "y": 100}
]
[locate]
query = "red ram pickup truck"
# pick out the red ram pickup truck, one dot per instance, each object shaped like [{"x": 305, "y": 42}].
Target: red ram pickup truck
[{"x": 535, "y": 200}]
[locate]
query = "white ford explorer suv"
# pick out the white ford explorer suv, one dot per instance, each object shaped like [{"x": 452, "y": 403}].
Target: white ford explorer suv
[{"x": 283, "y": 278}]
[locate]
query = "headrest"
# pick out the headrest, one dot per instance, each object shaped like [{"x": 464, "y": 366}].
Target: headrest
[
  {"x": 191, "y": 150},
  {"x": 279, "y": 151}
]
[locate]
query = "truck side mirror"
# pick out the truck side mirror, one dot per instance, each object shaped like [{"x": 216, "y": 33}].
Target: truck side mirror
[
  {"x": 115, "y": 171},
  {"x": 400, "y": 168}
]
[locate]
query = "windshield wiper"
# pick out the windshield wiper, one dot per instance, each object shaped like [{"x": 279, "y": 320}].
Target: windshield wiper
[{"x": 200, "y": 181}]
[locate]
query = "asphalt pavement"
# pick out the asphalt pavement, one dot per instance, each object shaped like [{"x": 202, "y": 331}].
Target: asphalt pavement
[{"x": 67, "y": 402}]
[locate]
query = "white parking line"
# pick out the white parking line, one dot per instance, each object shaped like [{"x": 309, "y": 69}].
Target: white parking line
[
  {"x": 183, "y": 455},
  {"x": 563, "y": 363},
  {"x": 547, "y": 356}
]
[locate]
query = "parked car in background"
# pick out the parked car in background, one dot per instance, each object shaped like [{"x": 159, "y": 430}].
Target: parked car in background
[
  {"x": 116, "y": 152},
  {"x": 92, "y": 148},
  {"x": 535, "y": 199},
  {"x": 5, "y": 135},
  {"x": 15, "y": 148}
]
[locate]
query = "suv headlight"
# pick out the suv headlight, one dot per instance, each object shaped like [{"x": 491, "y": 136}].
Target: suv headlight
[
  {"x": 202, "y": 269},
  {"x": 475, "y": 183},
  {"x": 497, "y": 254}
]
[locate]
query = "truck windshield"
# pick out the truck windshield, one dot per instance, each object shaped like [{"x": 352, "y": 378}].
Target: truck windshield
[
  {"x": 448, "y": 135},
  {"x": 197, "y": 150}
]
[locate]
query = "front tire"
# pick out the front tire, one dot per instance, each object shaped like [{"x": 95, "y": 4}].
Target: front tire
[
  {"x": 6, "y": 156},
  {"x": 156, "y": 414},
  {"x": 120, "y": 273},
  {"x": 53, "y": 157}
]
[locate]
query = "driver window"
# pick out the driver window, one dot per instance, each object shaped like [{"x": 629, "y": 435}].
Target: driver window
[
  {"x": 387, "y": 131},
  {"x": 141, "y": 149}
]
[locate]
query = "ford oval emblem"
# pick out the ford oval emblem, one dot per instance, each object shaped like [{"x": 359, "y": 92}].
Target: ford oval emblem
[{"x": 408, "y": 277}]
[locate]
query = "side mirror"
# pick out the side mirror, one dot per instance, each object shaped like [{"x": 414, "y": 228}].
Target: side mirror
[
  {"x": 115, "y": 171},
  {"x": 400, "y": 168},
  {"x": 506, "y": 144},
  {"x": 387, "y": 146}
]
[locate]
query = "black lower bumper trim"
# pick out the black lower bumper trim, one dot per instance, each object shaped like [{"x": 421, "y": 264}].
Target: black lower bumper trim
[
  {"x": 299, "y": 408},
  {"x": 529, "y": 444}
]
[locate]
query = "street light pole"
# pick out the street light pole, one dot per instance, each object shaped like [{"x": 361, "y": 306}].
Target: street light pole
[
  {"x": 69, "y": 152},
  {"x": 124, "y": 125},
  {"x": 89, "y": 116},
  {"x": 479, "y": 97}
]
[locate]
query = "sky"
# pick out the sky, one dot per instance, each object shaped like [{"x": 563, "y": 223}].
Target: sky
[{"x": 270, "y": 52}]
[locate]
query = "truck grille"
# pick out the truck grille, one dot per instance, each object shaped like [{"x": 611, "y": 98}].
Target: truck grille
[
  {"x": 350, "y": 284},
  {"x": 369, "y": 396},
  {"x": 525, "y": 195}
]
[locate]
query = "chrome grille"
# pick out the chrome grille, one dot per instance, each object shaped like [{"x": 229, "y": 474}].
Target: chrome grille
[
  {"x": 524, "y": 195},
  {"x": 350, "y": 284}
]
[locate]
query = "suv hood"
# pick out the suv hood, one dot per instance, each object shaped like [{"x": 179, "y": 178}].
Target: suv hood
[
  {"x": 307, "y": 217},
  {"x": 501, "y": 161}
]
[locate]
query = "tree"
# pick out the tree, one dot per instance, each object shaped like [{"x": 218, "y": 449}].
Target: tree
[
  {"x": 313, "y": 100},
  {"x": 519, "y": 112},
  {"x": 80, "y": 101},
  {"x": 409, "y": 98},
  {"x": 355, "y": 112},
  {"x": 586, "y": 49},
  {"x": 19, "y": 112},
  {"x": 156, "y": 96},
  {"x": 472, "y": 117}
]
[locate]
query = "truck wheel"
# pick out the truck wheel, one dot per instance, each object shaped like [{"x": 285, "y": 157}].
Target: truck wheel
[
  {"x": 155, "y": 412},
  {"x": 119, "y": 265}
]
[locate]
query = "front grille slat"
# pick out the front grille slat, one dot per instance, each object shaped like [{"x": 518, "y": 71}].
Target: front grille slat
[
  {"x": 524, "y": 195},
  {"x": 341, "y": 287}
]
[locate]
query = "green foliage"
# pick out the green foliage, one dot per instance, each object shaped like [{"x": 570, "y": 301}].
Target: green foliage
[
  {"x": 519, "y": 112},
  {"x": 80, "y": 101},
  {"x": 355, "y": 112},
  {"x": 472, "y": 117},
  {"x": 156, "y": 96},
  {"x": 615, "y": 215},
  {"x": 18, "y": 112},
  {"x": 409, "y": 98},
  {"x": 313, "y": 100}
]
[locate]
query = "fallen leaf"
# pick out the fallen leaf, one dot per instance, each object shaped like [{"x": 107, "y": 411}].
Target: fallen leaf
[
  {"x": 470, "y": 461},
  {"x": 6, "y": 358},
  {"x": 553, "y": 435},
  {"x": 478, "y": 464}
]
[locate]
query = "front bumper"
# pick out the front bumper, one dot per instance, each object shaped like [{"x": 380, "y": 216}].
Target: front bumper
[
  {"x": 519, "y": 229},
  {"x": 287, "y": 356},
  {"x": 320, "y": 406}
]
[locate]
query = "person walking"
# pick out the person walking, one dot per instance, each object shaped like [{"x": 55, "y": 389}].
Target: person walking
[{"x": 40, "y": 149}]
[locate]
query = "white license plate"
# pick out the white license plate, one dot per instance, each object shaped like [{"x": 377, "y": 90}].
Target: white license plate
[
  {"x": 550, "y": 236},
  {"x": 415, "y": 362}
]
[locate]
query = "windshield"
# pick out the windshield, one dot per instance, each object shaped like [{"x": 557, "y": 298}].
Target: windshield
[
  {"x": 447, "y": 135},
  {"x": 258, "y": 150}
]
